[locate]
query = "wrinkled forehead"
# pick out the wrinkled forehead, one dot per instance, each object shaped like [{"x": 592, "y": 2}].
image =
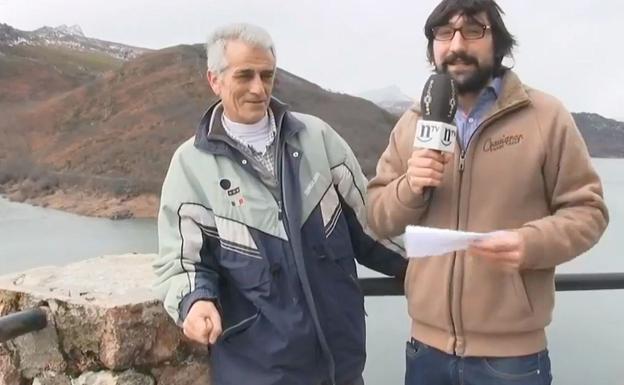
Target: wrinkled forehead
[{"x": 460, "y": 18}]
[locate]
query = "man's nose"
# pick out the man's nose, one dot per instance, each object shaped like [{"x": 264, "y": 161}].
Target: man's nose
[
  {"x": 257, "y": 85},
  {"x": 458, "y": 43}
]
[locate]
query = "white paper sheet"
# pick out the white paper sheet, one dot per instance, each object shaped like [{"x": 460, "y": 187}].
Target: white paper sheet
[{"x": 426, "y": 241}]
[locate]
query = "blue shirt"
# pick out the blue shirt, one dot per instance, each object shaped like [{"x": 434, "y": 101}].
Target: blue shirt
[{"x": 467, "y": 124}]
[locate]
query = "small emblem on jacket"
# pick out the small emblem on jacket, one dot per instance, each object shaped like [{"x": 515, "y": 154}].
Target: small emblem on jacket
[
  {"x": 492, "y": 145},
  {"x": 233, "y": 194}
]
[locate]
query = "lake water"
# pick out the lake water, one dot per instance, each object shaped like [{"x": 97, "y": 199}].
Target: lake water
[{"x": 586, "y": 338}]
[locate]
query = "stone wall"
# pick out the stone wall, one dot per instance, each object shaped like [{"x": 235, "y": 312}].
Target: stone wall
[{"x": 104, "y": 328}]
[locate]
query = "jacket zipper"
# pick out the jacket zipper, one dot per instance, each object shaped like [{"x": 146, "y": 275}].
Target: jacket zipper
[
  {"x": 283, "y": 214},
  {"x": 462, "y": 164},
  {"x": 462, "y": 160},
  {"x": 462, "y": 167}
]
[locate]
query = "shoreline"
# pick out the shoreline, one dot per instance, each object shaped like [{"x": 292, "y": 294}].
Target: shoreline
[
  {"x": 98, "y": 204},
  {"x": 88, "y": 203}
]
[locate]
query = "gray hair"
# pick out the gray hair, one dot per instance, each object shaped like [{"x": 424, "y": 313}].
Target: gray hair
[{"x": 247, "y": 33}]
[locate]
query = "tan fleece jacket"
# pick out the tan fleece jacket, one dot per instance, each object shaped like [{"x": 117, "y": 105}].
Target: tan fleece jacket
[{"x": 526, "y": 168}]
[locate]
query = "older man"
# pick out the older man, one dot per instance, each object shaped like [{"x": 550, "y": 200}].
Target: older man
[{"x": 262, "y": 215}]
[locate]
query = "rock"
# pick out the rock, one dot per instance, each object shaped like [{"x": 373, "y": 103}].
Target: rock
[
  {"x": 129, "y": 377},
  {"x": 105, "y": 313},
  {"x": 9, "y": 302},
  {"x": 95, "y": 378},
  {"x": 18, "y": 196},
  {"x": 138, "y": 335},
  {"x": 51, "y": 378},
  {"x": 122, "y": 214},
  {"x": 106, "y": 282},
  {"x": 190, "y": 373},
  {"x": 9, "y": 372},
  {"x": 103, "y": 322},
  {"x": 39, "y": 351},
  {"x": 79, "y": 328}
]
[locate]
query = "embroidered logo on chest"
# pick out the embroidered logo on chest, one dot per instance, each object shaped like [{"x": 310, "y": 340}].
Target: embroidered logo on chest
[{"x": 495, "y": 144}]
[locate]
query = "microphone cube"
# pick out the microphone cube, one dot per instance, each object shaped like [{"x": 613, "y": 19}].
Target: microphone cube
[{"x": 435, "y": 135}]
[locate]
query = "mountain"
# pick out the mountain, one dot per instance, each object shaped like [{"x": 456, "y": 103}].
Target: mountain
[
  {"x": 90, "y": 121},
  {"x": 385, "y": 94},
  {"x": 604, "y": 137},
  {"x": 39, "y": 64},
  {"x": 390, "y": 98},
  {"x": 69, "y": 37},
  {"x": 62, "y": 29},
  {"x": 118, "y": 132}
]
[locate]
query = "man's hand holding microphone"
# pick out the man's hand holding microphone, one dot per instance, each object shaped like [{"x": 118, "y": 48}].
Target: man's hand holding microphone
[{"x": 434, "y": 142}]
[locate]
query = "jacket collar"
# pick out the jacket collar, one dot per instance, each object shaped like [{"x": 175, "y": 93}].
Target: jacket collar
[
  {"x": 211, "y": 137},
  {"x": 512, "y": 95}
]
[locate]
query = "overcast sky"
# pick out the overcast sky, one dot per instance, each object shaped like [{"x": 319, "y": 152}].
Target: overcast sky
[{"x": 571, "y": 49}]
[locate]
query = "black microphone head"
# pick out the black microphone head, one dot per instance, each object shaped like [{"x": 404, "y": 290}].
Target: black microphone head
[{"x": 439, "y": 99}]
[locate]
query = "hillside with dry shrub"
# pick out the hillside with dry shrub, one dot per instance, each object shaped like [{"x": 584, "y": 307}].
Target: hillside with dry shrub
[{"x": 116, "y": 132}]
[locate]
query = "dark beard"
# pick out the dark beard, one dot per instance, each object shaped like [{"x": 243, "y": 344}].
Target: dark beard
[{"x": 476, "y": 81}]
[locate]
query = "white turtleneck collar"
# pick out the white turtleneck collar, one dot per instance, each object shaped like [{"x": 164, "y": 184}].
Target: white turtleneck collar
[{"x": 258, "y": 136}]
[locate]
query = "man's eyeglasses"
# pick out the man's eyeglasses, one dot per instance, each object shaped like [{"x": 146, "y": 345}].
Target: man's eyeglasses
[{"x": 468, "y": 32}]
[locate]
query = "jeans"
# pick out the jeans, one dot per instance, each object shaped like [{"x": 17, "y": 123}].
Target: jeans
[{"x": 428, "y": 366}]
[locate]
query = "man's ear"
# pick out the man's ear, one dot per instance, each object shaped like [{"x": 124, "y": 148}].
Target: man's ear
[{"x": 213, "y": 81}]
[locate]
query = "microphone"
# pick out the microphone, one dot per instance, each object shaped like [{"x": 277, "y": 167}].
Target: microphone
[{"x": 438, "y": 105}]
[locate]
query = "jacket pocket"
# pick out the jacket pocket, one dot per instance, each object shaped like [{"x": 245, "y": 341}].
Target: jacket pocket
[
  {"x": 427, "y": 290},
  {"x": 521, "y": 292},
  {"x": 494, "y": 299},
  {"x": 239, "y": 327},
  {"x": 337, "y": 245},
  {"x": 517, "y": 368},
  {"x": 415, "y": 349},
  {"x": 344, "y": 263},
  {"x": 339, "y": 271},
  {"x": 239, "y": 257},
  {"x": 245, "y": 272}
]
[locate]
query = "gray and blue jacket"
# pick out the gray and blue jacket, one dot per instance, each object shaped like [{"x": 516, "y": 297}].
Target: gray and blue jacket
[{"x": 277, "y": 258}]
